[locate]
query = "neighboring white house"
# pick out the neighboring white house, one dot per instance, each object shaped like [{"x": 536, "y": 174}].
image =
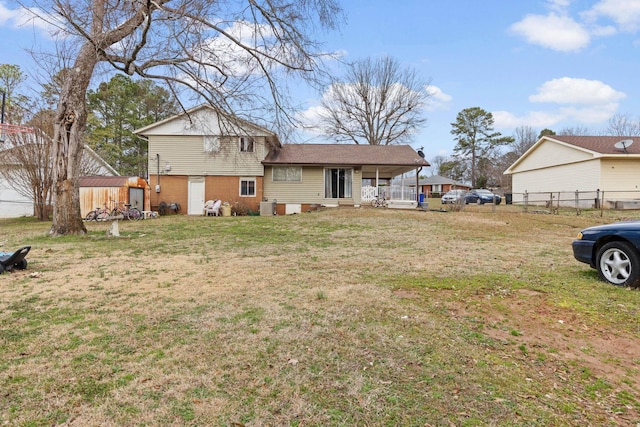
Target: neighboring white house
[
  {"x": 603, "y": 167},
  {"x": 15, "y": 205}
]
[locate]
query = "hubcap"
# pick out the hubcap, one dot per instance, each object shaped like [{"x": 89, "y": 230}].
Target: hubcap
[{"x": 615, "y": 266}]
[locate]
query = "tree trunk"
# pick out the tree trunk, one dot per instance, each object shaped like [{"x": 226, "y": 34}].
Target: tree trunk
[{"x": 68, "y": 143}]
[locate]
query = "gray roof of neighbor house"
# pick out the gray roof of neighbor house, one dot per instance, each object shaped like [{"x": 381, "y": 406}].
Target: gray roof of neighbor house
[
  {"x": 437, "y": 179},
  {"x": 345, "y": 155},
  {"x": 600, "y": 144}
]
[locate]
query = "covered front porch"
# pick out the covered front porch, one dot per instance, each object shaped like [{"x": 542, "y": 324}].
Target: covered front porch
[{"x": 399, "y": 190}]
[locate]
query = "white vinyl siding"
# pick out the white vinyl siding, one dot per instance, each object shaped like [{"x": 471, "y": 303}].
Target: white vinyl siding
[
  {"x": 584, "y": 176},
  {"x": 550, "y": 154}
]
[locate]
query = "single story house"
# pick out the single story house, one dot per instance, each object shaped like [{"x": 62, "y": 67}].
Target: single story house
[
  {"x": 589, "y": 168},
  {"x": 302, "y": 175},
  {"x": 200, "y": 155},
  {"x": 438, "y": 185}
]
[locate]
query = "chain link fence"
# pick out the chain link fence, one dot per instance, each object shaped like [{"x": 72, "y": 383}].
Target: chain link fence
[{"x": 578, "y": 201}]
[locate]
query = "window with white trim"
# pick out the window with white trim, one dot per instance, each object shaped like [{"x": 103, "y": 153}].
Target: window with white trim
[
  {"x": 247, "y": 187},
  {"x": 287, "y": 174},
  {"x": 246, "y": 144},
  {"x": 211, "y": 143}
]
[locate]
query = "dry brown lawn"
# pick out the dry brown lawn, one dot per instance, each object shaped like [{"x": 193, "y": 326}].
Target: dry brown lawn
[{"x": 336, "y": 317}]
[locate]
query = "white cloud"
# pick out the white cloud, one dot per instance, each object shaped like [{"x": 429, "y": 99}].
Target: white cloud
[
  {"x": 559, "y": 31},
  {"x": 558, "y": 5},
  {"x": 568, "y": 90},
  {"x": 27, "y": 18},
  {"x": 439, "y": 100},
  {"x": 583, "y": 101},
  {"x": 535, "y": 119},
  {"x": 625, "y": 13},
  {"x": 553, "y": 31}
]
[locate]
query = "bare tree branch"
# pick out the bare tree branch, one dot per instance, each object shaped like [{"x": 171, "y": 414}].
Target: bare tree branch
[{"x": 376, "y": 103}]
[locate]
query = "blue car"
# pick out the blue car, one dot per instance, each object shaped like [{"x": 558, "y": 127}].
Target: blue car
[
  {"x": 613, "y": 250},
  {"x": 481, "y": 197}
]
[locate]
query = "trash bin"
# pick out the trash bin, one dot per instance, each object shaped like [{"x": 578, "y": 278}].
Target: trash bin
[
  {"x": 421, "y": 199},
  {"x": 508, "y": 198},
  {"x": 225, "y": 209}
]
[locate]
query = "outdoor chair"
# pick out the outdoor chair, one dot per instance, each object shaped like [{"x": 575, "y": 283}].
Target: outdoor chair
[{"x": 212, "y": 207}]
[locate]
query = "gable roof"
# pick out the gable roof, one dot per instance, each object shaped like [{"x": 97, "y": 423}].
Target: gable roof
[
  {"x": 186, "y": 116},
  {"x": 596, "y": 146},
  {"x": 345, "y": 155}
]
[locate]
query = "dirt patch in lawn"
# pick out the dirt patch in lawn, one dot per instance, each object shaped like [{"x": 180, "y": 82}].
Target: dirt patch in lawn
[{"x": 534, "y": 326}]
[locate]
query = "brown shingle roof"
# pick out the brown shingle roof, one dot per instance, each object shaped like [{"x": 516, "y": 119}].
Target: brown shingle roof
[
  {"x": 600, "y": 144},
  {"x": 345, "y": 154}
]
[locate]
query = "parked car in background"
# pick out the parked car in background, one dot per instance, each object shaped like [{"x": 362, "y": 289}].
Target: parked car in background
[
  {"x": 481, "y": 197},
  {"x": 453, "y": 196},
  {"x": 613, "y": 250}
]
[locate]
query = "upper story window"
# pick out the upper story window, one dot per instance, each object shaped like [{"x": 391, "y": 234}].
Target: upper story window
[
  {"x": 211, "y": 143},
  {"x": 290, "y": 174},
  {"x": 246, "y": 144}
]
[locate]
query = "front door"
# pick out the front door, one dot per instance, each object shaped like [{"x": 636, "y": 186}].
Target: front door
[{"x": 196, "y": 195}]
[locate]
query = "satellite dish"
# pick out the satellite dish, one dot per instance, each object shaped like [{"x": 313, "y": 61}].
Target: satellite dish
[
  {"x": 420, "y": 152},
  {"x": 622, "y": 145}
]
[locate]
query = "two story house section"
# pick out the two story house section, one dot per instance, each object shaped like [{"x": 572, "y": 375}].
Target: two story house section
[{"x": 200, "y": 155}]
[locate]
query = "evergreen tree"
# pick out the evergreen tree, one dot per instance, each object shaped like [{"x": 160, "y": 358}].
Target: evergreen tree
[
  {"x": 116, "y": 109},
  {"x": 473, "y": 130}
]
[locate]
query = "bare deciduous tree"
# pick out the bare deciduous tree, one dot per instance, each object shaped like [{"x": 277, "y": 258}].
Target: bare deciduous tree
[
  {"x": 26, "y": 166},
  {"x": 524, "y": 138},
  {"x": 575, "y": 131},
  {"x": 377, "y": 103},
  {"x": 623, "y": 125},
  {"x": 229, "y": 54},
  {"x": 25, "y": 162}
]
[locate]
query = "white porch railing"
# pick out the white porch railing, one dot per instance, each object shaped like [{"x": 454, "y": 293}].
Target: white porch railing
[
  {"x": 394, "y": 192},
  {"x": 369, "y": 193}
]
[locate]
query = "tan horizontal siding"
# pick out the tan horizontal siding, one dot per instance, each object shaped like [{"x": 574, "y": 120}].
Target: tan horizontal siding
[
  {"x": 186, "y": 156},
  {"x": 620, "y": 175},
  {"x": 309, "y": 191}
]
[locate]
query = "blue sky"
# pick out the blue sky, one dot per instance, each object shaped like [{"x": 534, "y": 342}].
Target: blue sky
[{"x": 546, "y": 64}]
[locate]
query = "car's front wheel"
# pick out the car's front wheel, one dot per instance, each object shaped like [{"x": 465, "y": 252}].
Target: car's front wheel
[{"x": 618, "y": 263}]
